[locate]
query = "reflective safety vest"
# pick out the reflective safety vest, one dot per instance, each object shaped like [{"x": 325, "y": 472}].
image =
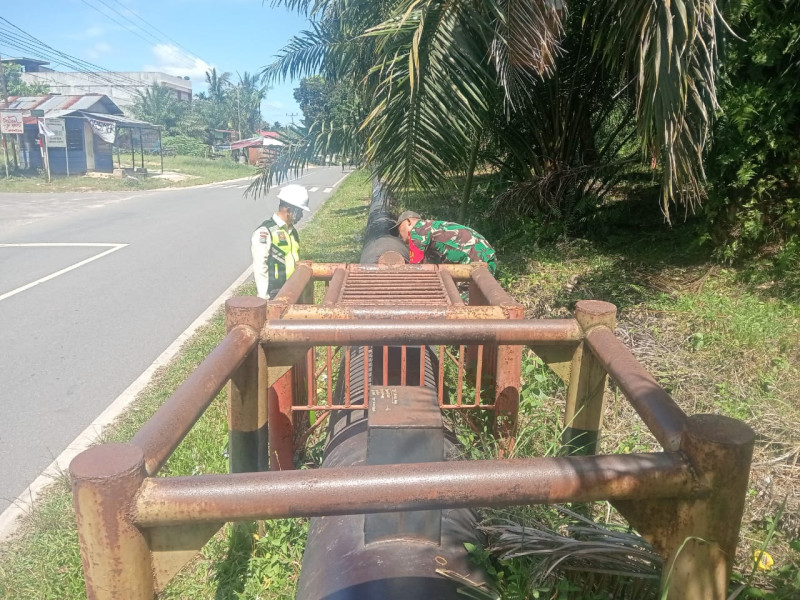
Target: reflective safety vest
[{"x": 284, "y": 252}]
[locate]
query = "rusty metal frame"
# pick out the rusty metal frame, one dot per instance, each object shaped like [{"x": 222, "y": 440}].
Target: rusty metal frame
[{"x": 136, "y": 531}]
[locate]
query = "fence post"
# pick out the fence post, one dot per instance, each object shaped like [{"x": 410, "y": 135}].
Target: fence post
[
  {"x": 115, "y": 554},
  {"x": 247, "y": 433},
  {"x": 698, "y": 536},
  {"x": 587, "y": 382},
  {"x": 279, "y": 408},
  {"x": 508, "y": 373}
]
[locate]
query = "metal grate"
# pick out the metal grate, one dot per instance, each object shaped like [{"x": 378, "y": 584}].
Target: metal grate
[{"x": 393, "y": 287}]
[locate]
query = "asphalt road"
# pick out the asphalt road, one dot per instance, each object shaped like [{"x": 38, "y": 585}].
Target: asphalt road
[{"x": 133, "y": 271}]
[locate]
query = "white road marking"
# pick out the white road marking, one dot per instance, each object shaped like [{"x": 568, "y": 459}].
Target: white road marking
[
  {"x": 341, "y": 180},
  {"x": 241, "y": 187},
  {"x": 328, "y": 190},
  {"x": 10, "y": 517},
  {"x": 111, "y": 248},
  {"x": 314, "y": 189}
]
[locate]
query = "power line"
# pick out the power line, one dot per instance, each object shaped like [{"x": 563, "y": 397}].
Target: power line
[
  {"x": 17, "y": 44},
  {"x": 73, "y": 62},
  {"x": 110, "y": 18},
  {"x": 167, "y": 37},
  {"x": 126, "y": 19}
]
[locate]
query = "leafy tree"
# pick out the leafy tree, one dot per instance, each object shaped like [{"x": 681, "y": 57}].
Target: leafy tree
[
  {"x": 442, "y": 82},
  {"x": 754, "y": 163},
  {"x": 158, "y": 104},
  {"x": 313, "y": 96},
  {"x": 17, "y": 87},
  {"x": 247, "y": 96},
  {"x": 217, "y": 84}
]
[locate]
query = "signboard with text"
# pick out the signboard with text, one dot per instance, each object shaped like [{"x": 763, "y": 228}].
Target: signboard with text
[
  {"x": 11, "y": 122},
  {"x": 56, "y": 133}
]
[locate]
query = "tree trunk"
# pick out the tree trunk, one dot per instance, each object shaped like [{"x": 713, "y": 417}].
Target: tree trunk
[{"x": 473, "y": 159}]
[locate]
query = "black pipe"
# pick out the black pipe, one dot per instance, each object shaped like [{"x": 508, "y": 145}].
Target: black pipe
[{"x": 392, "y": 556}]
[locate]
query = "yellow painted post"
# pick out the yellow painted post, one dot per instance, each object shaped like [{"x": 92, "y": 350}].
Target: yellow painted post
[
  {"x": 587, "y": 382},
  {"x": 115, "y": 554},
  {"x": 698, "y": 536},
  {"x": 246, "y": 431}
]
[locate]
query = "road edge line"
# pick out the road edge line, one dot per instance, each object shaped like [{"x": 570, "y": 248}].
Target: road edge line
[{"x": 11, "y": 517}]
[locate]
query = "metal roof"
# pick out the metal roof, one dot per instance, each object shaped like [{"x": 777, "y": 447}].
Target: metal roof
[
  {"x": 54, "y": 102},
  {"x": 120, "y": 120}
]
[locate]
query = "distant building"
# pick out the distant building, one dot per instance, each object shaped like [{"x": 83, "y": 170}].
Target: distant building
[
  {"x": 122, "y": 87},
  {"x": 78, "y": 133}
]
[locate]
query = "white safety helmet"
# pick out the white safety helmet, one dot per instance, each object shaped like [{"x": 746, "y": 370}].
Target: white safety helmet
[{"x": 294, "y": 194}]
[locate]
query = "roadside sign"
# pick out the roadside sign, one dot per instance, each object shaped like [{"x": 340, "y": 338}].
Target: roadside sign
[
  {"x": 56, "y": 133},
  {"x": 11, "y": 122},
  {"x": 37, "y": 112}
]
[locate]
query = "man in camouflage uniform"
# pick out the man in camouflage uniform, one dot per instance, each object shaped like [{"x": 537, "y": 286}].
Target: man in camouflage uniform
[{"x": 443, "y": 242}]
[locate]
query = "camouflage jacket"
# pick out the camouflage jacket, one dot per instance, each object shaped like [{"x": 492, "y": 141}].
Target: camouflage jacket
[{"x": 445, "y": 242}]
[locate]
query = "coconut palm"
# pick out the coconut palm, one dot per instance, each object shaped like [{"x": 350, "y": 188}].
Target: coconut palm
[
  {"x": 158, "y": 104},
  {"x": 528, "y": 85},
  {"x": 217, "y": 84}
]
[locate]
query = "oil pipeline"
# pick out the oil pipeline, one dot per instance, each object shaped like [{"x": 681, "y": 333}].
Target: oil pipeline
[{"x": 389, "y": 556}]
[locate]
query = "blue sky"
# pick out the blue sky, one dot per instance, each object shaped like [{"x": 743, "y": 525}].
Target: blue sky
[{"x": 190, "y": 36}]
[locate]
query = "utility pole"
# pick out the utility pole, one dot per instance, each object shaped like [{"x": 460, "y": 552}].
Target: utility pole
[
  {"x": 4, "y": 90},
  {"x": 292, "y": 115}
]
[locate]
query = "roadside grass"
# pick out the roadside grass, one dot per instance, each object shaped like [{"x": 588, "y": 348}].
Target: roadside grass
[
  {"x": 180, "y": 171},
  {"x": 245, "y": 561},
  {"x": 717, "y": 343}
]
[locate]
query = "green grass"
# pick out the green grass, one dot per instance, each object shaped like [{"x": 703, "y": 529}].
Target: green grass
[
  {"x": 196, "y": 171},
  {"x": 246, "y": 561},
  {"x": 718, "y": 343}
]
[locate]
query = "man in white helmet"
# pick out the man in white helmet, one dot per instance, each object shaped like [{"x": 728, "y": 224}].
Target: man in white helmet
[{"x": 275, "y": 245}]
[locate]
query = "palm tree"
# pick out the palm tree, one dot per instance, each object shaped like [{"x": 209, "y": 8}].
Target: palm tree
[
  {"x": 553, "y": 97},
  {"x": 158, "y": 104},
  {"x": 250, "y": 91},
  {"x": 217, "y": 84}
]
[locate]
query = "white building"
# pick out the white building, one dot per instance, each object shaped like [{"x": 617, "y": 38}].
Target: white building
[{"x": 121, "y": 86}]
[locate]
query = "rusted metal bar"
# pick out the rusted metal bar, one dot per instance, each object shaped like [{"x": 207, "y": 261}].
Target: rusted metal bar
[
  {"x": 162, "y": 433},
  {"x": 311, "y": 332},
  {"x": 325, "y": 271},
  {"x": 422, "y": 350},
  {"x": 389, "y": 310},
  {"x": 294, "y": 287},
  {"x": 587, "y": 384},
  {"x": 329, "y": 373},
  {"x": 508, "y": 373},
  {"x": 115, "y": 553},
  {"x": 403, "y": 364},
  {"x": 440, "y": 378},
  {"x": 491, "y": 290},
  {"x": 655, "y": 406},
  {"x": 280, "y": 424},
  {"x": 460, "y": 379},
  {"x": 247, "y": 436},
  {"x": 367, "y": 377},
  {"x": 414, "y": 486},
  {"x": 451, "y": 289},
  {"x": 478, "y": 373},
  {"x": 697, "y": 537},
  {"x": 347, "y": 376},
  {"x": 334, "y": 288},
  {"x": 385, "y": 365}
]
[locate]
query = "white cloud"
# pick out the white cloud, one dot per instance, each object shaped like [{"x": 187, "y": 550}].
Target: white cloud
[
  {"x": 92, "y": 31},
  {"x": 273, "y": 105},
  {"x": 172, "y": 60},
  {"x": 99, "y": 50}
]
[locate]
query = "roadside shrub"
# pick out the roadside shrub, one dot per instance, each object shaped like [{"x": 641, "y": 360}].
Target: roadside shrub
[
  {"x": 753, "y": 206},
  {"x": 184, "y": 145}
]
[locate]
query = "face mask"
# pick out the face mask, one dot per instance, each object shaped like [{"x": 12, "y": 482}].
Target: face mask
[{"x": 297, "y": 215}]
